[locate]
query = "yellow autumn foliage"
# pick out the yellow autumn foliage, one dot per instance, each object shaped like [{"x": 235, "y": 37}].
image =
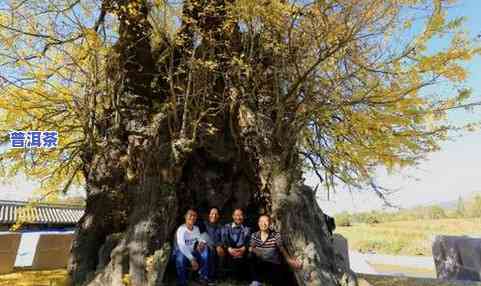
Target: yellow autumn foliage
[{"x": 350, "y": 88}]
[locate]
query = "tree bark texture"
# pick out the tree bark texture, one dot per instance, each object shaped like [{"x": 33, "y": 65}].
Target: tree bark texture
[{"x": 141, "y": 177}]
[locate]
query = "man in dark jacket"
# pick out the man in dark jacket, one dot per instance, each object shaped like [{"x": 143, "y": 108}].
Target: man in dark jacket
[
  {"x": 235, "y": 239},
  {"x": 214, "y": 230}
]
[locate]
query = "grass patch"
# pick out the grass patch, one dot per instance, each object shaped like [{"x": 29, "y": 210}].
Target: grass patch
[
  {"x": 35, "y": 278},
  {"x": 406, "y": 237},
  {"x": 59, "y": 278}
]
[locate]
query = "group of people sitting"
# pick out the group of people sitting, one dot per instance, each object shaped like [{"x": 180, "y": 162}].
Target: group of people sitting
[{"x": 206, "y": 246}]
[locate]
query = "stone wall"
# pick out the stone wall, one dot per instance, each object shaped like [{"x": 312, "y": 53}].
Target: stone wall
[
  {"x": 8, "y": 251},
  {"x": 52, "y": 251}
]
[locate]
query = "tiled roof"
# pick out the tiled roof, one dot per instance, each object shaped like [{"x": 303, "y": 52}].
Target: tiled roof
[{"x": 62, "y": 214}]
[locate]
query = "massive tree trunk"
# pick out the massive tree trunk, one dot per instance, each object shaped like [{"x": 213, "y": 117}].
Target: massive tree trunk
[{"x": 142, "y": 176}]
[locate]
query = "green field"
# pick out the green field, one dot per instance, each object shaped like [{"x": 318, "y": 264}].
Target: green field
[{"x": 406, "y": 237}]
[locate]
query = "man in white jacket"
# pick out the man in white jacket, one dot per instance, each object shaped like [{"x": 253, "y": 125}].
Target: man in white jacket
[{"x": 191, "y": 250}]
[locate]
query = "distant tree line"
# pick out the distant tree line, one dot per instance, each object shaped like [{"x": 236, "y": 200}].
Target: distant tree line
[{"x": 470, "y": 208}]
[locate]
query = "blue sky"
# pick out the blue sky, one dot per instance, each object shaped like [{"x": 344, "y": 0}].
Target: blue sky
[{"x": 443, "y": 176}]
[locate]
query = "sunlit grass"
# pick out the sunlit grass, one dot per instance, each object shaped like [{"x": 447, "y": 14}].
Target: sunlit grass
[
  {"x": 59, "y": 278},
  {"x": 406, "y": 237},
  {"x": 35, "y": 278}
]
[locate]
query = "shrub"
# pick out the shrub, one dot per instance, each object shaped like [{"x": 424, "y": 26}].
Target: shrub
[
  {"x": 372, "y": 219},
  {"x": 436, "y": 212},
  {"x": 343, "y": 219}
]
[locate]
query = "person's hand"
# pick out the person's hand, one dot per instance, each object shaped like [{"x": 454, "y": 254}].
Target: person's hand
[
  {"x": 201, "y": 247},
  {"x": 241, "y": 250},
  {"x": 220, "y": 251},
  {"x": 295, "y": 263},
  {"x": 195, "y": 265},
  {"x": 235, "y": 252},
  {"x": 231, "y": 251}
]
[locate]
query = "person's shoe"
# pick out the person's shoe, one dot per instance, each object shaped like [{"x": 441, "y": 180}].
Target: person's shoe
[{"x": 255, "y": 283}]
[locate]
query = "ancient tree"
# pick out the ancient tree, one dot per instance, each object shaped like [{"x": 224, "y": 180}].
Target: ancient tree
[{"x": 225, "y": 103}]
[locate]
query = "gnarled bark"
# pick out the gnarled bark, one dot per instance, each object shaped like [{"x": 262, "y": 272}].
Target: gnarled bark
[{"x": 143, "y": 177}]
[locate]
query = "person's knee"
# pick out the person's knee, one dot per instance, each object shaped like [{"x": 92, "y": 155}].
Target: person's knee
[
  {"x": 205, "y": 254},
  {"x": 220, "y": 251},
  {"x": 180, "y": 260}
]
